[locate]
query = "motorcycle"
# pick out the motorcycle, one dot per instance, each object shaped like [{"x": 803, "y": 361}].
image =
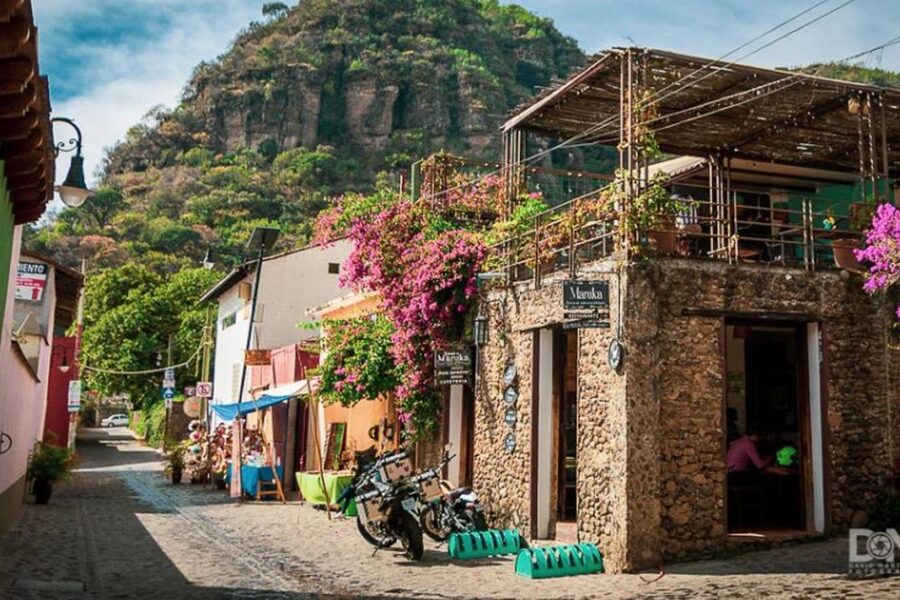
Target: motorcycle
[
  {"x": 444, "y": 510},
  {"x": 387, "y": 502}
]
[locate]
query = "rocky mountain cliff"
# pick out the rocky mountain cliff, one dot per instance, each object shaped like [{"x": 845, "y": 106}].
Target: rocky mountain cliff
[{"x": 385, "y": 80}]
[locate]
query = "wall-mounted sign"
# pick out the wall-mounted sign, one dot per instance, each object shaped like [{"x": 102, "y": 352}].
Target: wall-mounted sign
[
  {"x": 257, "y": 357},
  {"x": 614, "y": 354},
  {"x": 586, "y": 324},
  {"x": 74, "y": 400},
  {"x": 586, "y": 314},
  {"x": 585, "y": 294},
  {"x": 510, "y": 442},
  {"x": 509, "y": 375},
  {"x": 510, "y": 395},
  {"x": 453, "y": 366},
  {"x": 510, "y": 417},
  {"x": 31, "y": 279}
]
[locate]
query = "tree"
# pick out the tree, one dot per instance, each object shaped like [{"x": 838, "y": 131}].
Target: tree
[
  {"x": 130, "y": 315},
  {"x": 273, "y": 10}
]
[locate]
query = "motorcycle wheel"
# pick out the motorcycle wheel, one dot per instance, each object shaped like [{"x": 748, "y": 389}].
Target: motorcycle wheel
[
  {"x": 374, "y": 536},
  {"x": 411, "y": 537},
  {"x": 479, "y": 521},
  {"x": 431, "y": 526}
]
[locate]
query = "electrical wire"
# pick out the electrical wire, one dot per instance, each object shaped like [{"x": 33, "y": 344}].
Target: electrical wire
[{"x": 147, "y": 371}]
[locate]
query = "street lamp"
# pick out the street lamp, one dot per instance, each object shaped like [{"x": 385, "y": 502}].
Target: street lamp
[
  {"x": 74, "y": 190},
  {"x": 208, "y": 263},
  {"x": 64, "y": 362}
]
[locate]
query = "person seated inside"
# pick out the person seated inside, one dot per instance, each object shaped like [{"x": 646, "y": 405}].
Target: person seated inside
[
  {"x": 743, "y": 457},
  {"x": 733, "y": 432}
]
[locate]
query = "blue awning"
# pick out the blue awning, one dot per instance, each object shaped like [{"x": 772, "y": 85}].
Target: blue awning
[{"x": 227, "y": 412}]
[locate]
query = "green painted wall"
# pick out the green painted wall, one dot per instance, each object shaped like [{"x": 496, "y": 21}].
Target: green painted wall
[{"x": 6, "y": 239}]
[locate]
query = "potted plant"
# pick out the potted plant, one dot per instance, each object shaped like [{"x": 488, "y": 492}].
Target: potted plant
[
  {"x": 48, "y": 465},
  {"x": 843, "y": 247},
  {"x": 173, "y": 460}
]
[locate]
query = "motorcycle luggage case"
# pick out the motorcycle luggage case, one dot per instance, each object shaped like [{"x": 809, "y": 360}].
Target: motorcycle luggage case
[
  {"x": 370, "y": 503},
  {"x": 395, "y": 468}
]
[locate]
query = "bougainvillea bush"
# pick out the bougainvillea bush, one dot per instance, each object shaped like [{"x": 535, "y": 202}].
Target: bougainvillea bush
[
  {"x": 422, "y": 261},
  {"x": 358, "y": 364},
  {"x": 882, "y": 251}
]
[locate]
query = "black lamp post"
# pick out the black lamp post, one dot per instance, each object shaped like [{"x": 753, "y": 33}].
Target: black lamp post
[{"x": 74, "y": 190}]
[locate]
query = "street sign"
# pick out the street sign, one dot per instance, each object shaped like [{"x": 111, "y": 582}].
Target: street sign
[
  {"x": 586, "y": 324},
  {"x": 168, "y": 393},
  {"x": 168, "y": 404},
  {"x": 170, "y": 374},
  {"x": 453, "y": 366},
  {"x": 204, "y": 389},
  {"x": 74, "y": 400},
  {"x": 585, "y": 294},
  {"x": 190, "y": 391},
  {"x": 168, "y": 383}
]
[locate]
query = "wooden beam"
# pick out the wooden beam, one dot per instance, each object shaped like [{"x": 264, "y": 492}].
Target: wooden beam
[
  {"x": 25, "y": 164},
  {"x": 15, "y": 73},
  {"x": 13, "y": 35},
  {"x": 755, "y": 315},
  {"x": 16, "y": 105},
  {"x": 33, "y": 140},
  {"x": 796, "y": 120},
  {"x": 9, "y": 7},
  {"x": 18, "y": 128}
]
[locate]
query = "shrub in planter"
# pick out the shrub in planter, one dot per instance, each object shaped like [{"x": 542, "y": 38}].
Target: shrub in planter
[
  {"x": 173, "y": 461},
  {"x": 48, "y": 465}
]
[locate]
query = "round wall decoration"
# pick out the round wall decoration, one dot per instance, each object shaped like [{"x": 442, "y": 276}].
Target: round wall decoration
[
  {"x": 509, "y": 374},
  {"x": 615, "y": 353},
  {"x": 510, "y": 395},
  {"x": 510, "y": 417},
  {"x": 191, "y": 407},
  {"x": 510, "y": 442}
]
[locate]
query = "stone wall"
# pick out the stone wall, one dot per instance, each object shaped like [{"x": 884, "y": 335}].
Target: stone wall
[{"x": 651, "y": 442}]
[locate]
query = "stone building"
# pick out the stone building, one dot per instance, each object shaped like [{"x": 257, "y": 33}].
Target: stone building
[{"x": 613, "y": 427}]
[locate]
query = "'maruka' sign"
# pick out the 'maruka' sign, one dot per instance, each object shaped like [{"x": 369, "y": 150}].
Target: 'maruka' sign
[
  {"x": 453, "y": 366},
  {"x": 585, "y": 294}
]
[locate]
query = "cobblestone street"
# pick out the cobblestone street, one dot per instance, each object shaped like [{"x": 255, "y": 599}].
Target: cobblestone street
[{"x": 119, "y": 530}]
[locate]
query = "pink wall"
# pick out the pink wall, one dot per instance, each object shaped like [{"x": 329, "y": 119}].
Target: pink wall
[
  {"x": 57, "y": 419},
  {"x": 22, "y": 395}
]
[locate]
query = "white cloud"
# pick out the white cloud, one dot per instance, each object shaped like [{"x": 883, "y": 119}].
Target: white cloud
[{"x": 125, "y": 75}]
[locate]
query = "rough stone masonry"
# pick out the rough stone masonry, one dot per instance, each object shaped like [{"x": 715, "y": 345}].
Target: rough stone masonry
[{"x": 651, "y": 437}]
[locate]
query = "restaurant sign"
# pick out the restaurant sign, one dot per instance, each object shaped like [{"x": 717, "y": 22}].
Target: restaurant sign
[
  {"x": 257, "y": 358},
  {"x": 453, "y": 366},
  {"x": 580, "y": 295}
]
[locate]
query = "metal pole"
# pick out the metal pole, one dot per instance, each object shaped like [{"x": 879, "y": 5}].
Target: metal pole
[
  {"x": 76, "y": 362},
  {"x": 166, "y": 400},
  {"x": 259, "y": 261}
]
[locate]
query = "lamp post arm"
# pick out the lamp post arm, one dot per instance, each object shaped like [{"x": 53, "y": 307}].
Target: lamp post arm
[{"x": 74, "y": 144}]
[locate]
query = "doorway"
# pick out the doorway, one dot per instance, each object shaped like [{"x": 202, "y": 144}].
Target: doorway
[
  {"x": 554, "y": 502},
  {"x": 772, "y": 427}
]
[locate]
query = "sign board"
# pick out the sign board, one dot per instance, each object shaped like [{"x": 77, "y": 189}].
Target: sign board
[
  {"x": 168, "y": 404},
  {"x": 31, "y": 279},
  {"x": 586, "y": 315},
  {"x": 585, "y": 294},
  {"x": 453, "y": 366},
  {"x": 168, "y": 393},
  {"x": 168, "y": 383},
  {"x": 586, "y": 324},
  {"x": 190, "y": 391},
  {"x": 74, "y": 400},
  {"x": 170, "y": 374},
  {"x": 257, "y": 358},
  {"x": 204, "y": 389}
]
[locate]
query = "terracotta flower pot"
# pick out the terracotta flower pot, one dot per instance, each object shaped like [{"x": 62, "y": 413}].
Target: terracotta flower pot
[
  {"x": 42, "y": 491},
  {"x": 664, "y": 241},
  {"x": 843, "y": 254}
]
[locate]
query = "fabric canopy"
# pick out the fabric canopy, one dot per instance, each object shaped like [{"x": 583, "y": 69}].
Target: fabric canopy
[{"x": 227, "y": 412}]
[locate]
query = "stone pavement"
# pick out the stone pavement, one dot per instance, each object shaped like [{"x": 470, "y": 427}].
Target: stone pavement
[{"x": 119, "y": 530}]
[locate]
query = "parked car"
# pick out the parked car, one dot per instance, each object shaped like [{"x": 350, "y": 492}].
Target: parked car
[{"x": 118, "y": 420}]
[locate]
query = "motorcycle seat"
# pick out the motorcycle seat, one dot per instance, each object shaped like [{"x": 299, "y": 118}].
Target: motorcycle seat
[{"x": 455, "y": 494}]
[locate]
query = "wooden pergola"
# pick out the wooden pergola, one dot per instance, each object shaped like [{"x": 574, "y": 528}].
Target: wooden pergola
[
  {"x": 701, "y": 107},
  {"x": 26, "y": 137}
]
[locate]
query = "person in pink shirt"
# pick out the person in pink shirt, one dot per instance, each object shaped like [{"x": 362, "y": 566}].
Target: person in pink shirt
[{"x": 743, "y": 457}]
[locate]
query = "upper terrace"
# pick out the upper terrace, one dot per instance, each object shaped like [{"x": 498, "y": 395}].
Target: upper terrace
[{"x": 772, "y": 166}]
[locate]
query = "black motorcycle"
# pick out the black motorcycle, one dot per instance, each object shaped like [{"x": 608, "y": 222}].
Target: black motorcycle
[
  {"x": 387, "y": 510},
  {"x": 444, "y": 510}
]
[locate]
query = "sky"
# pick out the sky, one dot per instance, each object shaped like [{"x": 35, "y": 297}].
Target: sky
[{"x": 111, "y": 61}]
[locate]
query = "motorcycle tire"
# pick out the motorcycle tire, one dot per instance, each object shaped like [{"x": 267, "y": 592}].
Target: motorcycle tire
[
  {"x": 413, "y": 546},
  {"x": 479, "y": 521},
  {"x": 431, "y": 525},
  {"x": 375, "y": 540}
]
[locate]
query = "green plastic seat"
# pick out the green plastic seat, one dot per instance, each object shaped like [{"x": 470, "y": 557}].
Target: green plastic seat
[
  {"x": 480, "y": 544},
  {"x": 559, "y": 561}
]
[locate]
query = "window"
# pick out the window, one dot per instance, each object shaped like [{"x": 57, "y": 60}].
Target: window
[
  {"x": 334, "y": 268},
  {"x": 229, "y": 320}
]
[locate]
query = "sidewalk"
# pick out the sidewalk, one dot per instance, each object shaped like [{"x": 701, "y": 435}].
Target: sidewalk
[{"x": 119, "y": 530}]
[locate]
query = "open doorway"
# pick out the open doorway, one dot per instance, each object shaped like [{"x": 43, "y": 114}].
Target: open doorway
[
  {"x": 567, "y": 433},
  {"x": 768, "y": 427}
]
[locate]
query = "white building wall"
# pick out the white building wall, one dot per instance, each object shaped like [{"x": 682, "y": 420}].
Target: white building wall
[{"x": 290, "y": 285}]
